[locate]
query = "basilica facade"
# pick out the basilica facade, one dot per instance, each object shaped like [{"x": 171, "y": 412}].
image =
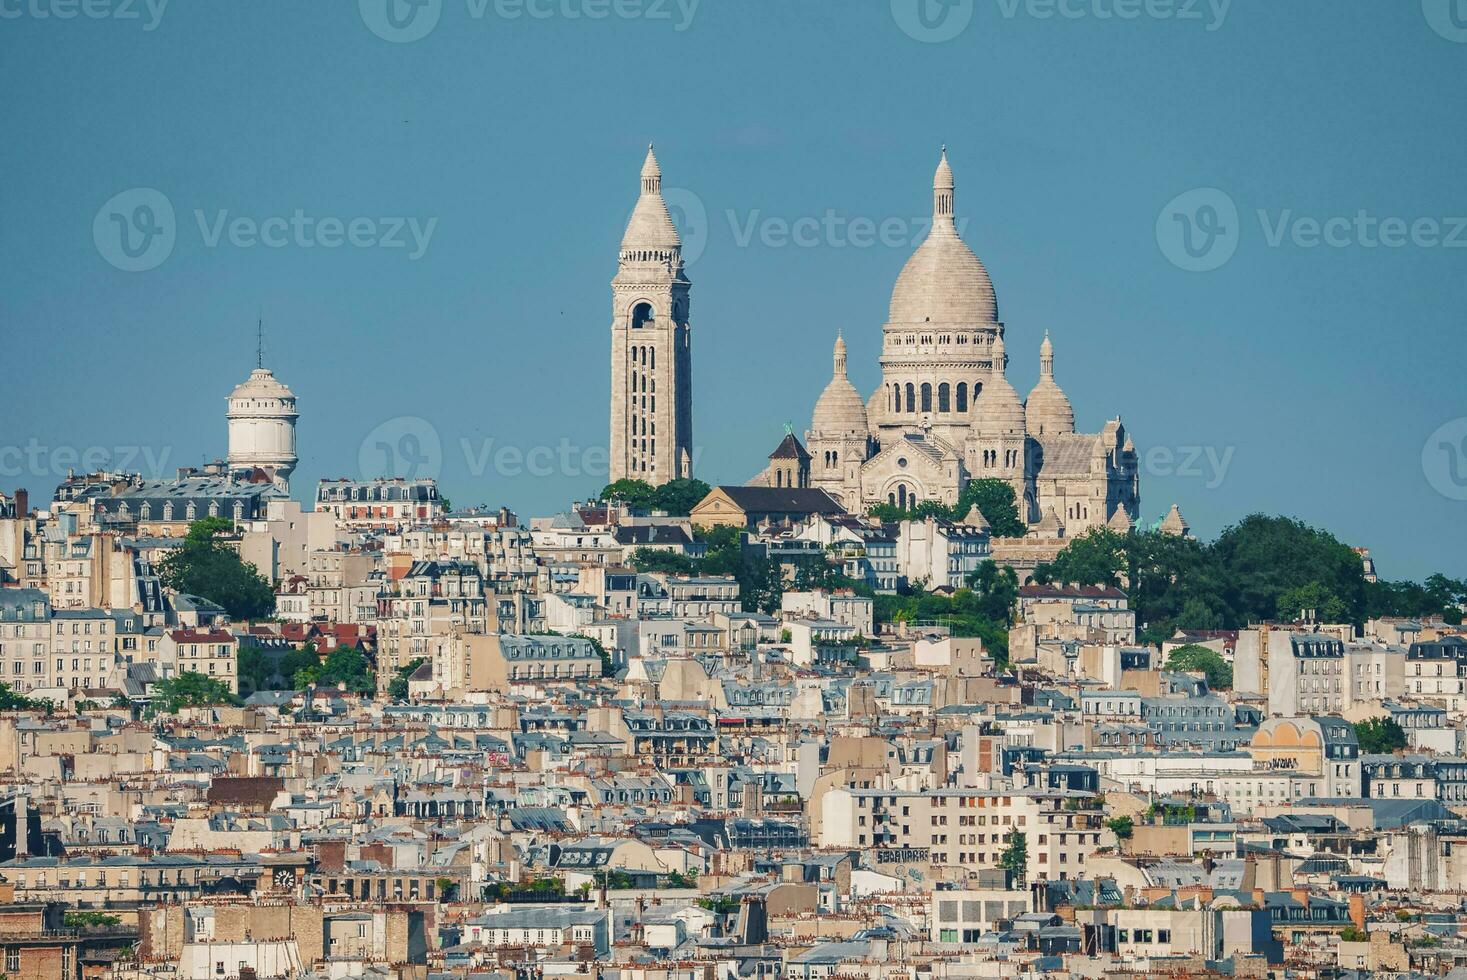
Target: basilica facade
[{"x": 945, "y": 412}]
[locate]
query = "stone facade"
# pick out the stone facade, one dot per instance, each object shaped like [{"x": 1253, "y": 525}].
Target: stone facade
[
  {"x": 651, "y": 354},
  {"x": 946, "y": 414}
]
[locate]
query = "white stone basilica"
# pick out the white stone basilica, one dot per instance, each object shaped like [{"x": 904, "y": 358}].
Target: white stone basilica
[{"x": 945, "y": 413}]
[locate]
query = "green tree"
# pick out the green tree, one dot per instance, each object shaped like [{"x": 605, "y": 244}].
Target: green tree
[
  {"x": 761, "y": 584},
  {"x": 204, "y": 566},
  {"x": 89, "y": 918},
  {"x": 12, "y": 700},
  {"x": 1123, "y": 827},
  {"x": 1171, "y": 582},
  {"x": 254, "y": 669},
  {"x": 397, "y": 688},
  {"x": 613, "y": 880},
  {"x": 679, "y": 497},
  {"x": 302, "y": 667},
  {"x": 983, "y": 610},
  {"x": 1380, "y": 735},
  {"x": 996, "y": 502},
  {"x": 545, "y": 886},
  {"x": 889, "y": 513},
  {"x": 348, "y": 666},
  {"x": 719, "y": 904},
  {"x": 1015, "y": 857},
  {"x": 995, "y": 591},
  {"x": 1263, "y": 558},
  {"x": 993, "y": 498},
  {"x": 635, "y": 493},
  {"x": 190, "y": 689},
  {"x": 1351, "y": 934},
  {"x": 1437, "y": 596},
  {"x": 1195, "y": 656},
  {"x": 1097, "y": 557},
  {"x": 1314, "y": 599},
  {"x": 658, "y": 560}
]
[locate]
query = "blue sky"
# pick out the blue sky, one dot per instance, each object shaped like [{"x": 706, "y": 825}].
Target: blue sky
[{"x": 443, "y": 215}]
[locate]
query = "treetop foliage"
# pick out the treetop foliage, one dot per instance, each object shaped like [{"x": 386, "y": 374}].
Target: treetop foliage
[
  {"x": 1380, "y": 735},
  {"x": 204, "y": 566},
  {"x": 993, "y": 498},
  {"x": 1261, "y": 569},
  {"x": 676, "y": 497}
]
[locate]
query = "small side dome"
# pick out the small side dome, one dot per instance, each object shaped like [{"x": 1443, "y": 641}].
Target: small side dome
[
  {"x": 1047, "y": 410},
  {"x": 839, "y": 411},
  {"x": 997, "y": 410}
]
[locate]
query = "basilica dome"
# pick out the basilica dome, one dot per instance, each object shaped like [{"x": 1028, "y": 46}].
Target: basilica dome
[
  {"x": 943, "y": 282},
  {"x": 839, "y": 410},
  {"x": 1047, "y": 409}
]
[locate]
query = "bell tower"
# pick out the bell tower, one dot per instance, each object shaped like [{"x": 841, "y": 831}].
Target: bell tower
[{"x": 651, "y": 354}]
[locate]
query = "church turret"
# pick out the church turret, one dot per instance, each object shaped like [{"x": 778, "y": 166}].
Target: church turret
[
  {"x": 1047, "y": 410},
  {"x": 997, "y": 445},
  {"x": 1175, "y": 524},
  {"x": 789, "y": 464},
  {"x": 943, "y": 187},
  {"x": 651, "y": 355},
  {"x": 839, "y": 435}
]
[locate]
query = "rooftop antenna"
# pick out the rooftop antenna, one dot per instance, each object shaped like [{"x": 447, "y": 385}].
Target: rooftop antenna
[{"x": 260, "y": 342}]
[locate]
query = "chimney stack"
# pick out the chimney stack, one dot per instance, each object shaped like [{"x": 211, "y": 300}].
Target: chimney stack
[
  {"x": 22, "y": 807},
  {"x": 1357, "y": 910}
]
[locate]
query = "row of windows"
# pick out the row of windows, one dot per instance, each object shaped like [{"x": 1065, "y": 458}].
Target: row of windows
[
  {"x": 927, "y": 339},
  {"x": 145, "y": 510},
  {"x": 950, "y": 398}
]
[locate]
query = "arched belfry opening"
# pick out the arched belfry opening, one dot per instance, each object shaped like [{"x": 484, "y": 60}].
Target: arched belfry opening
[{"x": 641, "y": 315}]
